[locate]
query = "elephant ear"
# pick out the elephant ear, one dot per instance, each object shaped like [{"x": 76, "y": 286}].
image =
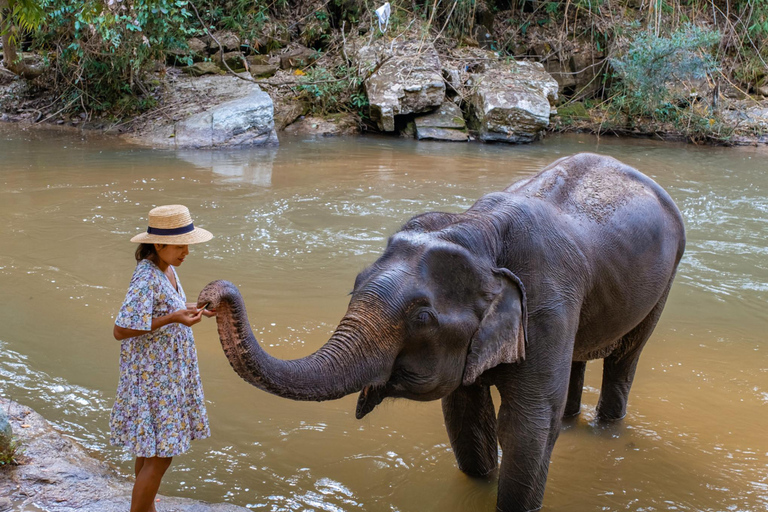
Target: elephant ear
[{"x": 502, "y": 335}]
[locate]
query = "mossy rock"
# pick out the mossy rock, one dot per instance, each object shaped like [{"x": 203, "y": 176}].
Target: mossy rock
[
  {"x": 573, "y": 111},
  {"x": 203, "y": 68}
]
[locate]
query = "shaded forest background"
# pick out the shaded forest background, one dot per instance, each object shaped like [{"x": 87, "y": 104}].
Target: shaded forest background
[{"x": 646, "y": 57}]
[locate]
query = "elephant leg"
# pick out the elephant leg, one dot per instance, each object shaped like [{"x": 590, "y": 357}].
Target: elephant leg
[
  {"x": 470, "y": 420},
  {"x": 530, "y": 418},
  {"x": 619, "y": 367},
  {"x": 575, "y": 387},
  {"x": 527, "y": 439}
]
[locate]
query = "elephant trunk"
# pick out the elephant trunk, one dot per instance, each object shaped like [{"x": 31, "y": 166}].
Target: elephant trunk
[{"x": 338, "y": 368}]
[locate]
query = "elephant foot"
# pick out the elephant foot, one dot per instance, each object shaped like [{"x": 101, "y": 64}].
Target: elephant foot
[
  {"x": 610, "y": 418},
  {"x": 479, "y": 472},
  {"x": 571, "y": 412}
]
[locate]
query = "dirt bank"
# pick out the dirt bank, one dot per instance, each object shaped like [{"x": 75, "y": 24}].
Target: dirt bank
[{"x": 57, "y": 475}]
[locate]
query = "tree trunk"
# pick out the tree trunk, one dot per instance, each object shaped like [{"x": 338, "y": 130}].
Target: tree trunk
[{"x": 11, "y": 59}]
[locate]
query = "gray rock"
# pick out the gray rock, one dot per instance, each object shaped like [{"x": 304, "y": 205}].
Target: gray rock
[
  {"x": 408, "y": 80},
  {"x": 748, "y": 116},
  {"x": 484, "y": 37},
  {"x": 452, "y": 80},
  {"x": 235, "y": 60},
  {"x": 59, "y": 476},
  {"x": 511, "y": 102},
  {"x": 298, "y": 58},
  {"x": 195, "y": 51},
  {"x": 228, "y": 40},
  {"x": 245, "y": 121},
  {"x": 445, "y": 123},
  {"x": 562, "y": 72},
  {"x": 196, "y": 45},
  {"x": 258, "y": 60},
  {"x": 339, "y": 124},
  {"x": 263, "y": 71},
  {"x": 731, "y": 92},
  {"x": 409, "y": 131},
  {"x": 585, "y": 66},
  {"x": 179, "y": 57},
  {"x": 203, "y": 68},
  {"x": 209, "y": 111}
]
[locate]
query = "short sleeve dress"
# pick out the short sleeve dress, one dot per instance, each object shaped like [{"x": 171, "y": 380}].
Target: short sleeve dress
[{"x": 159, "y": 407}]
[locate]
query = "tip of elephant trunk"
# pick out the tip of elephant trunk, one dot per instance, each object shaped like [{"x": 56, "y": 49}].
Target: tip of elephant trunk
[{"x": 215, "y": 293}]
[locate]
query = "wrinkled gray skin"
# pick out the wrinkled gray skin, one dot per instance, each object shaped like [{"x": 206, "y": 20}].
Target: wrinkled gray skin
[{"x": 518, "y": 292}]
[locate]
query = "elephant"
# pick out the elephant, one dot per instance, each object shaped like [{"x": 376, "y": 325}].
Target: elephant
[{"x": 518, "y": 292}]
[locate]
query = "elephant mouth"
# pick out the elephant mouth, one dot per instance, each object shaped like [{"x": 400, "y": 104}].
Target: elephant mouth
[{"x": 369, "y": 398}]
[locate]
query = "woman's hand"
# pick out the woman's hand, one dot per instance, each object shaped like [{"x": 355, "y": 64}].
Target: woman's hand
[
  {"x": 208, "y": 313},
  {"x": 188, "y": 317}
]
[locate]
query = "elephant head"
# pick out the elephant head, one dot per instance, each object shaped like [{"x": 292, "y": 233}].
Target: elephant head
[{"x": 428, "y": 316}]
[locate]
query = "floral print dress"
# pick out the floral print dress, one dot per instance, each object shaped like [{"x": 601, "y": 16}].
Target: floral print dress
[{"x": 159, "y": 407}]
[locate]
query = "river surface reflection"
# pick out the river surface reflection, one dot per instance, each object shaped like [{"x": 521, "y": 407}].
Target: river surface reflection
[{"x": 293, "y": 226}]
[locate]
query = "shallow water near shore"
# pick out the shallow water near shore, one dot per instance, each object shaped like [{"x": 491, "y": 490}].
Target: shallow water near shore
[{"x": 293, "y": 226}]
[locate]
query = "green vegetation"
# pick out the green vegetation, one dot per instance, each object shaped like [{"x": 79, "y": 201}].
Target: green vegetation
[
  {"x": 651, "y": 76},
  {"x": 99, "y": 52},
  {"x": 99, "y": 56},
  {"x": 9, "y": 453},
  {"x": 328, "y": 91}
]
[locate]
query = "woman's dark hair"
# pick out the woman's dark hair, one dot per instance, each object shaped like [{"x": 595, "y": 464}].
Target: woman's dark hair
[{"x": 146, "y": 252}]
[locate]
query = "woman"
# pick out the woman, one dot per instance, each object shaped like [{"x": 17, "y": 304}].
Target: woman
[{"x": 159, "y": 407}]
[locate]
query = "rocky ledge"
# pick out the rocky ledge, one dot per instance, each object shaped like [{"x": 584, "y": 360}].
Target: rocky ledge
[{"x": 57, "y": 475}]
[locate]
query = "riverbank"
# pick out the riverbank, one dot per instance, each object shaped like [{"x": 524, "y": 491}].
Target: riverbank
[
  {"x": 747, "y": 119},
  {"x": 743, "y": 122},
  {"x": 56, "y": 474},
  {"x": 494, "y": 75}
]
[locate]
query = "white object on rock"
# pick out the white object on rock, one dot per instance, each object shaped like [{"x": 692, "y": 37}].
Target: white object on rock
[{"x": 383, "y": 13}]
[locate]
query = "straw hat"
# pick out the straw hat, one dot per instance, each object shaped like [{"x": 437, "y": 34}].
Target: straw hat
[{"x": 171, "y": 224}]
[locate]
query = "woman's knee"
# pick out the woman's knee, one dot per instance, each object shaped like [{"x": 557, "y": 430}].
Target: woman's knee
[{"x": 157, "y": 464}]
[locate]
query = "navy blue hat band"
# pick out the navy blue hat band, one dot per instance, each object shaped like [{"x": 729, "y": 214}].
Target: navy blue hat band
[{"x": 167, "y": 232}]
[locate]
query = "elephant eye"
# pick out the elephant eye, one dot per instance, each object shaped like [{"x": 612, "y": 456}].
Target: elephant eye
[{"x": 425, "y": 316}]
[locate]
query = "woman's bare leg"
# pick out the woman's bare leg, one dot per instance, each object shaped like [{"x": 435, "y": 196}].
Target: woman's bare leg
[
  {"x": 149, "y": 474},
  {"x": 139, "y": 464}
]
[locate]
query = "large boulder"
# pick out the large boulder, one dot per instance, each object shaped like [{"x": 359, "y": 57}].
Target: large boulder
[
  {"x": 208, "y": 112},
  {"x": 245, "y": 121},
  {"x": 511, "y": 101},
  {"x": 406, "y": 79}
]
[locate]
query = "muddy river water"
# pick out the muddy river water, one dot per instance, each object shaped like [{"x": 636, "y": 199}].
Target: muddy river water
[{"x": 293, "y": 226}]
